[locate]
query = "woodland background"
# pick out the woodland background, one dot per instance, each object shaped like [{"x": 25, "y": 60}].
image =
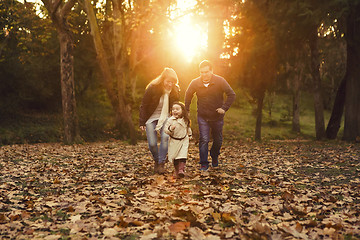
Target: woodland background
[
  {"x": 73, "y": 164},
  {"x": 75, "y": 71}
]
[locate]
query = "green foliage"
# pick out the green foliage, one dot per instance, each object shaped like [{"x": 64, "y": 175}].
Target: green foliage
[
  {"x": 32, "y": 128},
  {"x": 28, "y": 60},
  {"x": 240, "y": 120}
]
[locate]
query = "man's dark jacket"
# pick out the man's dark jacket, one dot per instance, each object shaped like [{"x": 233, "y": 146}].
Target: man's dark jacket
[{"x": 210, "y": 98}]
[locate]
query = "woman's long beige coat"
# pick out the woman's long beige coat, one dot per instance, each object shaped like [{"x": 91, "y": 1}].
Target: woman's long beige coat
[{"x": 177, "y": 149}]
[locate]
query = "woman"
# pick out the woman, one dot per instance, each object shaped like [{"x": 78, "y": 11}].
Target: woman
[{"x": 159, "y": 95}]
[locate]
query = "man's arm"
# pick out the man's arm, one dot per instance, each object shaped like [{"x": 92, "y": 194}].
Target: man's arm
[
  {"x": 189, "y": 95},
  {"x": 230, "y": 95}
]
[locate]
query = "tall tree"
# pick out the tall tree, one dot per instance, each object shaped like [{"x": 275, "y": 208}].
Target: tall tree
[
  {"x": 253, "y": 50},
  {"x": 352, "y": 100},
  {"x": 317, "y": 86},
  {"x": 296, "y": 23},
  {"x": 122, "y": 44},
  {"x": 58, "y": 11}
]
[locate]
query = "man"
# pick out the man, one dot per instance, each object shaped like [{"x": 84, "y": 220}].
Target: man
[{"x": 211, "y": 108}]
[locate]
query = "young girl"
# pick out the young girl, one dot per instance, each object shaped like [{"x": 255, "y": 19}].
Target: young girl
[{"x": 178, "y": 128}]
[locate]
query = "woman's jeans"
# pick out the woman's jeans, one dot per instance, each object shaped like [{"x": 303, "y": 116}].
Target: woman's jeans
[
  {"x": 216, "y": 132},
  {"x": 158, "y": 153}
]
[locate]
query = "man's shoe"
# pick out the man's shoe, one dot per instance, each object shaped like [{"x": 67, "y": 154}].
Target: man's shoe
[
  {"x": 215, "y": 163},
  {"x": 204, "y": 168}
]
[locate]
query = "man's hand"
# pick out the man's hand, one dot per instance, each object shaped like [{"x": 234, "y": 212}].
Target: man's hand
[
  {"x": 143, "y": 128},
  {"x": 220, "y": 111}
]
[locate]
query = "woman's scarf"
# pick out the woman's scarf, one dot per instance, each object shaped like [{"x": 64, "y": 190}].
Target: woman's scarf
[{"x": 164, "y": 111}]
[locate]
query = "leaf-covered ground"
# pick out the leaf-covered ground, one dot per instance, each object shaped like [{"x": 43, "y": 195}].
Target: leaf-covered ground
[{"x": 276, "y": 190}]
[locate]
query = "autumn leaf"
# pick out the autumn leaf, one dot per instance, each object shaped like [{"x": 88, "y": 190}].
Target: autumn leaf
[
  {"x": 276, "y": 190},
  {"x": 178, "y": 227}
]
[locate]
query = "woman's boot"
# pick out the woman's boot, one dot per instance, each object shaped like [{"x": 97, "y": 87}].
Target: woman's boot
[
  {"x": 161, "y": 168},
  {"x": 181, "y": 172},
  {"x": 156, "y": 167}
]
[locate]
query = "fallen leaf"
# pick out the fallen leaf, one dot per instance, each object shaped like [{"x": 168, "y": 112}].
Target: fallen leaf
[{"x": 178, "y": 227}]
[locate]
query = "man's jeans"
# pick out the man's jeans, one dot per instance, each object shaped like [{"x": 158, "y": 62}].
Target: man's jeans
[
  {"x": 158, "y": 153},
  {"x": 216, "y": 132}
]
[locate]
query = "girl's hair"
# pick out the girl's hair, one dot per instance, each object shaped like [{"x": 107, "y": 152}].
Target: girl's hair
[
  {"x": 167, "y": 73},
  {"x": 184, "y": 114}
]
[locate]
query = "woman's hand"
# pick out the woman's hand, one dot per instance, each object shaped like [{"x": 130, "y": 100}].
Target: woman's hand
[
  {"x": 172, "y": 127},
  {"x": 220, "y": 111},
  {"x": 143, "y": 128}
]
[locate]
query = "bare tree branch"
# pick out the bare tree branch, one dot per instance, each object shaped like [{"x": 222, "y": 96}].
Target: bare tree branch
[
  {"x": 56, "y": 5},
  {"x": 67, "y": 7}
]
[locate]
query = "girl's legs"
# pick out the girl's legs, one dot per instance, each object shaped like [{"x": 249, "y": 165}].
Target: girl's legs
[
  {"x": 176, "y": 168},
  {"x": 182, "y": 163}
]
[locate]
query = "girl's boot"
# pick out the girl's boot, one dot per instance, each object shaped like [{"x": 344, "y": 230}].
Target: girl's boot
[
  {"x": 181, "y": 172},
  {"x": 176, "y": 168}
]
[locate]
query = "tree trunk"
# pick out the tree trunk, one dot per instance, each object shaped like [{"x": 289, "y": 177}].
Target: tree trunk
[
  {"x": 71, "y": 128},
  {"x": 352, "y": 98},
  {"x": 337, "y": 111},
  {"x": 318, "y": 100},
  {"x": 260, "y": 104},
  {"x": 123, "y": 115},
  {"x": 296, "y": 104},
  {"x": 58, "y": 14},
  {"x": 216, "y": 15}
]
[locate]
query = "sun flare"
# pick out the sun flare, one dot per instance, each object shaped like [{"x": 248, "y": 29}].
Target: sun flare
[{"x": 189, "y": 37}]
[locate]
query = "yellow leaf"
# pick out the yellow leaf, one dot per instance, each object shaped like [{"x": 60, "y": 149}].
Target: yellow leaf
[
  {"x": 216, "y": 216},
  {"x": 227, "y": 217},
  {"x": 56, "y": 181}
]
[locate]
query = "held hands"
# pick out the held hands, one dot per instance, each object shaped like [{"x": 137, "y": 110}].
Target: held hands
[{"x": 220, "y": 111}]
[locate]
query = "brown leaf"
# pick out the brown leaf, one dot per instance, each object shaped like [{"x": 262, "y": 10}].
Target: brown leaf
[
  {"x": 298, "y": 227},
  {"x": 3, "y": 218},
  {"x": 262, "y": 228},
  {"x": 56, "y": 181},
  {"x": 287, "y": 196},
  {"x": 179, "y": 226}
]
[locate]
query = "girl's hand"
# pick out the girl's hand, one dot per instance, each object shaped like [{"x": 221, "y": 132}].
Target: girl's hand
[
  {"x": 172, "y": 127},
  {"x": 143, "y": 128}
]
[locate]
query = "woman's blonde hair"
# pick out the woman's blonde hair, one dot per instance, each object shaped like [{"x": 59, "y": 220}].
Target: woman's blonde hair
[{"x": 167, "y": 73}]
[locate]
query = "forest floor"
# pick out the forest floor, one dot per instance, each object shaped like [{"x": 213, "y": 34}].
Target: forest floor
[{"x": 269, "y": 190}]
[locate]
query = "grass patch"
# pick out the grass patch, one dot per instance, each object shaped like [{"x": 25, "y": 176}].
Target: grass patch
[{"x": 96, "y": 122}]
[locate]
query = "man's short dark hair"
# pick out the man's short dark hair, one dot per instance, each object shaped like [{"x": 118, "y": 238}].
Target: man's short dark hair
[{"x": 206, "y": 63}]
